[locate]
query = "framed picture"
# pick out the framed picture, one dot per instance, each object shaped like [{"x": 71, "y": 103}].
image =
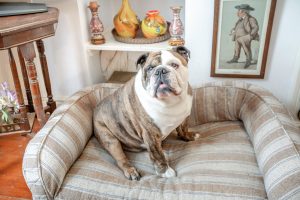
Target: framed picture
[{"x": 242, "y": 31}]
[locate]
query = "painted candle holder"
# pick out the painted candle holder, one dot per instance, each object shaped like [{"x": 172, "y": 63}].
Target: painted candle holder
[
  {"x": 176, "y": 28},
  {"x": 96, "y": 26}
]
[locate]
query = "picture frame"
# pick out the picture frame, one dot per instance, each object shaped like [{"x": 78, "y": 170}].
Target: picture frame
[{"x": 241, "y": 37}]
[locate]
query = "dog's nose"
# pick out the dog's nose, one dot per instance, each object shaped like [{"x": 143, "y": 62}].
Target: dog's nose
[{"x": 161, "y": 71}]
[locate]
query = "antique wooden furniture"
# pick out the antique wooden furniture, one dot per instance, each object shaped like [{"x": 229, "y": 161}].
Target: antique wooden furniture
[{"x": 23, "y": 31}]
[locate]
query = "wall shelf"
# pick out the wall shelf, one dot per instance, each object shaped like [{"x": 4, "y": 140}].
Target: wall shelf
[
  {"x": 100, "y": 61},
  {"x": 107, "y": 11},
  {"x": 112, "y": 45}
]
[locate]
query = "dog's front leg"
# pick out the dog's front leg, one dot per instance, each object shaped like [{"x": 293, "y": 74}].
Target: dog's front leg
[
  {"x": 184, "y": 133},
  {"x": 162, "y": 168},
  {"x": 114, "y": 147}
]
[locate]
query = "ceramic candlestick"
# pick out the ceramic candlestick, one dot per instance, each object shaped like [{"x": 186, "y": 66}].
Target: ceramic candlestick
[
  {"x": 176, "y": 28},
  {"x": 96, "y": 26}
]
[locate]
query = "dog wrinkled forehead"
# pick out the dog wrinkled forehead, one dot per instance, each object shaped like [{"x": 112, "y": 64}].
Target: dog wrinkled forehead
[
  {"x": 155, "y": 58},
  {"x": 169, "y": 57}
]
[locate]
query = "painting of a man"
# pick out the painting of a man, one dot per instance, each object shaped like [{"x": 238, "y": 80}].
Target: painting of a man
[
  {"x": 245, "y": 30},
  {"x": 241, "y": 37}
]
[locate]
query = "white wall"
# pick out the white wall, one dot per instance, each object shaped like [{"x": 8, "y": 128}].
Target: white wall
[
  {"x": 69, "y": 69},
  {"x": 65, "y": 52},
  {"x": 282, "y": 67}
]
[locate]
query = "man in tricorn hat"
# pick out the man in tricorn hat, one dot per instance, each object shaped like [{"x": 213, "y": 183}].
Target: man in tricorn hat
[{"x": 245, "y": 30}]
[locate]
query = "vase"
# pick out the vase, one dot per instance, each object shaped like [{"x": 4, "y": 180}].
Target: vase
[
  {"x": 126, "y": 22},
  {"x": 153, "y": 25},
  {"x": 96, "y": 26},
  {"x": 176, "y": 28}
]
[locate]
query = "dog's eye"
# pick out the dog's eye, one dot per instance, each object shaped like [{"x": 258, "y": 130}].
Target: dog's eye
[
  {"x": 150, "y": 68},
  {"x": 174, "y": 65}
]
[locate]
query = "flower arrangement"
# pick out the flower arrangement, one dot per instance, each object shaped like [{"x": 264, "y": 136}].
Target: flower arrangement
[{"x": 8, "y": 102}]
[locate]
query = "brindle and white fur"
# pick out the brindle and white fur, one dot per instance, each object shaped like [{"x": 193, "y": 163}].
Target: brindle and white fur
[{"x": 142, "y": 113}]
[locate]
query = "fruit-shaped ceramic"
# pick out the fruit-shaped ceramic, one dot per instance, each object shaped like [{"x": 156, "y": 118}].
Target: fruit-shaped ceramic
[
  {"x": 154, "y": 25},
  {"x": 126, "y": 22}
]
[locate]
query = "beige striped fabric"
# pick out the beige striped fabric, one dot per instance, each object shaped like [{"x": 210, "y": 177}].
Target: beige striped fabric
[
  {"x": 221, "y": 165},
  {"x": 50, "y": 154},
  {"x": 272, "y": 130},
  {"x": 248, "y": 149}
]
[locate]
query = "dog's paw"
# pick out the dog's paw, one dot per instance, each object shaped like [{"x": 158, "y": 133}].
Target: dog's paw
[
  {"x": 132, "y": 174},
  {"x": 168, "y": 173},
  {"x": 196, "y": 136},
  {"x": 190, "y": 136}
]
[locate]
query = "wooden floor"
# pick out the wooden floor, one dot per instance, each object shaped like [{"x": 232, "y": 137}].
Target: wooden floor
[{"x": 12, "y": 183}]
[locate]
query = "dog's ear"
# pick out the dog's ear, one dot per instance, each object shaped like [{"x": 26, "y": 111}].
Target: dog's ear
[
  {"x": 141, "y": 60},
  {"x": 184, "y": 52}
]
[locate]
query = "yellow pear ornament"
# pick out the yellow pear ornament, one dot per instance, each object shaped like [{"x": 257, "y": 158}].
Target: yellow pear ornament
[{"x": 126, "y": 22}]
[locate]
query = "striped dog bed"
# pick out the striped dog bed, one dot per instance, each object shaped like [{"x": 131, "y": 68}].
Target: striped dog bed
[{"x": 248, "y": 149}]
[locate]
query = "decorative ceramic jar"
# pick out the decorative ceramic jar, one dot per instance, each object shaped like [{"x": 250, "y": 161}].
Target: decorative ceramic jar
[
  {"x": 176, "y": 28},
  {"x": 96, "y": 26},
  {"x": 126, "y": 22},
  {"x": 153, "y": 25}
]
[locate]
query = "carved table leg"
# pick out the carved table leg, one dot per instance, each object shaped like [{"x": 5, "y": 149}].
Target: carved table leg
[
  {"x": 51, "y": 103},
  {"x": 26, "y": 82},
  {"x": 24, "y": 123},
  {"x": 28, "y": 53}
]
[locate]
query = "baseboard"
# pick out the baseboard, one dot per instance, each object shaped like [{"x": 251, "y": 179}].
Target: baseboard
[{"x": 58, "y": 99}]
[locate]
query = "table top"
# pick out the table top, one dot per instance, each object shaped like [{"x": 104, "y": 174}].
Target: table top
[
  {"x": 12, "y": 24},
  {"x": 21, "y": 29}
]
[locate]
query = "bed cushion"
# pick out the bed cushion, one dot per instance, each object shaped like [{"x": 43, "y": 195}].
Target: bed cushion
[{"x": 220, "y": 165}]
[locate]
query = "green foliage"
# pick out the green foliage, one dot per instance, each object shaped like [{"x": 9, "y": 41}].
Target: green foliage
[{"x": 4, "y": 116}]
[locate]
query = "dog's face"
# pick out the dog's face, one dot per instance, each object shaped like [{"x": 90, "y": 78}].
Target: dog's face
[{"x": 165, "y": 73}]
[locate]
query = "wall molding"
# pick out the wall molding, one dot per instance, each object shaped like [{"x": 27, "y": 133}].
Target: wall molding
[
  {"x": 295, "y": 101},
  {"x": 58, "y": 99}
]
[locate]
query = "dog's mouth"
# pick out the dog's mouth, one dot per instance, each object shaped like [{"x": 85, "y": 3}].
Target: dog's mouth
[{"x": 163, "y": 89}]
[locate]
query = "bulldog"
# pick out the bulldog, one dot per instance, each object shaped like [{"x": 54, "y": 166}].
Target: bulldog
[{"x": 142, "y": 113}]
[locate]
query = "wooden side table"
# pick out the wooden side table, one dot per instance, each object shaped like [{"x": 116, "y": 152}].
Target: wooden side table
[{"x": 22, "y": 31}]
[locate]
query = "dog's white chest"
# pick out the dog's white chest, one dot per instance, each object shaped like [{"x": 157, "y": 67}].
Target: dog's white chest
[{"x": 169, "y": 119}]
